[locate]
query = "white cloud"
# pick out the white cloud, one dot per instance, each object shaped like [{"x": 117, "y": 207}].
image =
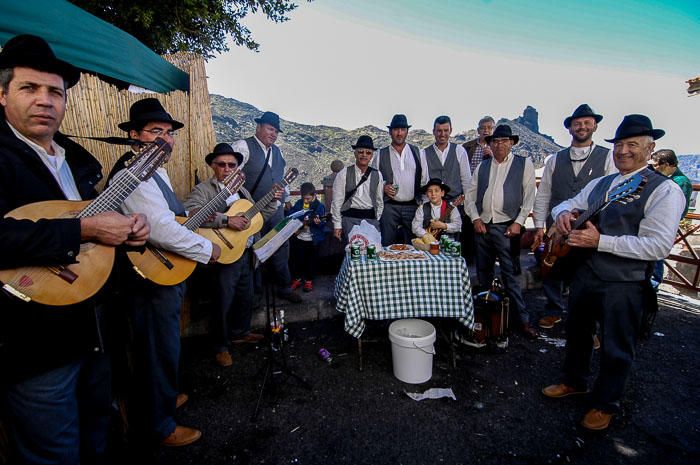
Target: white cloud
[{"x": 323, "y": 69}]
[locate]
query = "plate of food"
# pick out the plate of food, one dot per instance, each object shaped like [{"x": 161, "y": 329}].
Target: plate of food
[
  {"x": 400, "y": 248},
  {"x": 402, "y": 255}
]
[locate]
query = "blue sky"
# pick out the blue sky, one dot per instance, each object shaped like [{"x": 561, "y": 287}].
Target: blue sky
[{"x": 357, "y": 62}]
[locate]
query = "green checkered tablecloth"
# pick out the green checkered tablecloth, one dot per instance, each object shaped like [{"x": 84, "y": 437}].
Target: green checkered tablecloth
[{"x": 380, "y": 290}]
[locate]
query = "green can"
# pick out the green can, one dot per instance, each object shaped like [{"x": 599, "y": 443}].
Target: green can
[
  {"x": 371, "y": 252},
  {"x": 457, "y": 249},
  {"x": 355, "y": 251}
]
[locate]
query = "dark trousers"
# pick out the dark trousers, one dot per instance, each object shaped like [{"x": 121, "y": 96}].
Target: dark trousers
[
  {"x": 495, "y": 245},
  {"x": 618, "y": 307},
  {"x": 155, "y": 320},
  {"x": 554, "y": 291},
  {"x": 234, "y": 303},
  {"x": 302, "y": 260},
  {"x": 62, "y": 416},
  {"x": 395, "y": 223},
  {"x": 278, "y": 263}
]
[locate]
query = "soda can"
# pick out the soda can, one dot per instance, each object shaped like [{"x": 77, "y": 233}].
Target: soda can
[
  {"x": 325, "y": 355},
  {"x": 396, "y": 189},
  {"x": 450, "y": 250},
  {"x": 443, "y": 242},
  {"x": 457, "y": 248},
  {"x": 371, "y": 252},
  {"x": 355, "y": 251}
]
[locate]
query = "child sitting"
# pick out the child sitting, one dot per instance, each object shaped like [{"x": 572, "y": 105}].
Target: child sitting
[
  {"x": 304, "y": 246},
  {"x": 430, "y": 214}
]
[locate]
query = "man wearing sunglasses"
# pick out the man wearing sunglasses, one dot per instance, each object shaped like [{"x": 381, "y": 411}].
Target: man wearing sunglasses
[{"x": 233, "y": 281}]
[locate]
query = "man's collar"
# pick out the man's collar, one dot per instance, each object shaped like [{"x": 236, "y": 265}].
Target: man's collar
[{"x": 265, "y": 149}]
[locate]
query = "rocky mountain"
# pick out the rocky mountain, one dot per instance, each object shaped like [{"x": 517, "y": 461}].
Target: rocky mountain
[
  {"x": 690, "y": 165},
  {"x": 312, "y": 148}
]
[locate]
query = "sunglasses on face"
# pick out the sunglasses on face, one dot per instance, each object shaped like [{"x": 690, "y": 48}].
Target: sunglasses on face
[{"x": 223, "y": 164}]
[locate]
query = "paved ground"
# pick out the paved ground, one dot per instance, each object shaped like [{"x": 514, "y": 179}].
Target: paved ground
[{"x": 499, "y": 417}]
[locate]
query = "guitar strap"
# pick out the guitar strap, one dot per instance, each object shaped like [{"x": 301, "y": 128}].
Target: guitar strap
[
  {"x": 262, "y": 171},
  {"x": 364, "y": 178},
  {"x": 173, "y": 203}
]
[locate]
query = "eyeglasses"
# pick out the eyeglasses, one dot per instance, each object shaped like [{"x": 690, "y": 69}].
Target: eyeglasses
[
  {"x": 159, "y": 132},
  {"x": 223, "y": 164}
]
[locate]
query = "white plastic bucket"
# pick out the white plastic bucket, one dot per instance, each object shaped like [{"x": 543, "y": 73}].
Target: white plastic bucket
[{"x": 412, "y": 350}]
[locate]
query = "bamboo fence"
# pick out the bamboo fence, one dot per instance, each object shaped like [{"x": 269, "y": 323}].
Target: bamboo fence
[{"x": 96, "y": 107}]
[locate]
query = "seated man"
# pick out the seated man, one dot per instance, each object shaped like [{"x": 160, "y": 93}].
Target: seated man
[
  {"x": 357, "y": 192},
  {"x": 430, "y": 214},
  {"x": 234, "y": 280}
]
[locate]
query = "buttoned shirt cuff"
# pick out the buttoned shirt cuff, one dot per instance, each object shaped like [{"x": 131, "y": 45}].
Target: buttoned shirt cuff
[
  {"x": 521, "y": 220},
  {"x": 606, "y": 243},
  {"x": 540, "y": 224},
  {"x": 337, "y": 225}
]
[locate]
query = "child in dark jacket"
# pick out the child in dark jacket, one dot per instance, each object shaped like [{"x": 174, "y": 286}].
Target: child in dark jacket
[{"x": 304, "y": 246}]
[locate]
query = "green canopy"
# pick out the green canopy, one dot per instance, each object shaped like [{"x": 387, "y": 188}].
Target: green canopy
[{"x": 91, "y": 44}]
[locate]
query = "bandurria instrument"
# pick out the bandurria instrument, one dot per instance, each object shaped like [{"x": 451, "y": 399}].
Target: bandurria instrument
[
  {"x": 436, "y": 232},
  {"x": 168, "y": 268},
  {"x": 232, "y": 242},
  {"x": 72, "y": 283},
  {"x": 555, "y": 245}
]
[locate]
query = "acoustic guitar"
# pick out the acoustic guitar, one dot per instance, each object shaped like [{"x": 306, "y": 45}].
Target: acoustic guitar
[
  {"x": 232, "y": 242},
  {"x": 436, "y": 232},
  {"x": 71, "y": 283},
  {"x": 555, "y": 246},
  {"x": 168, "y": 268}
]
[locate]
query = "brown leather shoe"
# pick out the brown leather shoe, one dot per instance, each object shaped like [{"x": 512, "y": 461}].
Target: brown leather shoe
[
  {"x": 529, "y": 332},
  {"x": 250, "y": 338},
  {"x": 596, "y": 342},
  {"x": 548, "y": 322},
  {"x": 223, "y": 359},
  {"x": 556, "y": 391},
  {"x": 182, "y": 436},
  {"x": 181, "y": 400},
  {"x": 596, "y": 420}
]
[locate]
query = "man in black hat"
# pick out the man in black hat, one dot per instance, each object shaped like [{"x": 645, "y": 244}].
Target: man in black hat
[
  {"x": 565, "y": 174},
  {"x": 498, "y": 202},
  {"x": 611, "y": 285},
  {"x": 264, "y": 165},
  {"x": 357, "y": 192},
  {"x": 55, "y": 383},
  {"x": 234, "y": 280},
  {"x": 155, "y": 309},
  {"x": 399, "y": 164}
]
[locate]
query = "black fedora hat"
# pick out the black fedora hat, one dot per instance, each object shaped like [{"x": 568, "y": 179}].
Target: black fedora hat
[
  {"x": 502, "y": 131},
  {"x": 270, "y": 118},
  {"x": 223, "y": 149},
  {"x": 636, "y": 125},
  {"x": 33, "y": 52},
  {"x": 582, "y": 111},
  {"x": 364, "y": 142},
  {"x": 146, "y": 110},
  {"x": 399, "y": 121},
  {"x": 435, "y": 182}
]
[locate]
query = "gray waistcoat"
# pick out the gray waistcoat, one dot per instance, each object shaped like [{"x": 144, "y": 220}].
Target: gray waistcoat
[
  {"x": 565, "y": 185},
  {"x": 351, "y": 182},
  {"x": 621, "y": 220},
  {"x": 449, "y": 173},
  {"x": 512, "y": 187},
  {"x": 427, "y": 215},
  {"x": 388, "y": 173},
  {"x": 255, "y": 164}
]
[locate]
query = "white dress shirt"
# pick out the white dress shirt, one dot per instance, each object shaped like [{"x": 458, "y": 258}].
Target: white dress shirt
[
  {"x": 241, "y": 146},
  {"x": 55, "y": 163},
  {"x": 465, "y": 174},
  {"x": 166, "y": 232},
  {"x": 657, "y": 230},
  {"x": 361, "y": 199},
  {"x": 404, "y": 168},
  {"x": 493, "y": 197},
  {"x": 578, "y": 155},
  {"x": 455, "y": 224}
]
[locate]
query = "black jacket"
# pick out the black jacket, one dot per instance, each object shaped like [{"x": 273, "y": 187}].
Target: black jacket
[{"x": 36, "y": 338}]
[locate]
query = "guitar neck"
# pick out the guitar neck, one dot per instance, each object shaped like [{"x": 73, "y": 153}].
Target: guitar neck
[
  {"x": 592, "y": 211},
  {"x": 260, "y": 204},
  {"x": 112, "y": 197},
  {"x": 211, "y": 207}
]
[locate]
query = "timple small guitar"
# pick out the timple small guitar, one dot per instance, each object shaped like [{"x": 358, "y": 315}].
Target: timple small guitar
[
  {"x": 436, "y": 232},
  {"x": 168, "y": 268},
  {"x": 232, "y": 242},
  {"x": 74, "y": 282},
  {"x": 555, "y": 245}
]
